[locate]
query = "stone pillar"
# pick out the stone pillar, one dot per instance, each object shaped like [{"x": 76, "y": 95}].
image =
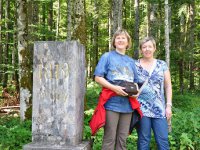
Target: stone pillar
[{"x": 58, "y": 96}]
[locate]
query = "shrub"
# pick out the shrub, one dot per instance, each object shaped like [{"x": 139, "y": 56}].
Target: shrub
[
  {"x": 185, "y": 129},
  {"x": 92, "y": 94},
  {"x": 185, "y": 122},
  {"x": 14, "y": 133}
]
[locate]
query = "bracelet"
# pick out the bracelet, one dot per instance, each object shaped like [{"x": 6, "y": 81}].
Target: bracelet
[{"x": 170, "y": 104}]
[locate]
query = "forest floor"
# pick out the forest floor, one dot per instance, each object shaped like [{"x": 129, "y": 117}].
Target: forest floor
[{"x": 9, "y": 103}]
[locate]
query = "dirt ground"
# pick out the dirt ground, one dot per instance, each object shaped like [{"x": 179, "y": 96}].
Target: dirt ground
[{"x": 9, "y": 103}]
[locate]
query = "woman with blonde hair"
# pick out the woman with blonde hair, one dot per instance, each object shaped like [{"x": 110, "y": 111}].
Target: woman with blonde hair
[
  {"x": 155, "y": 108},
  {"x": 113, "y": 67}
]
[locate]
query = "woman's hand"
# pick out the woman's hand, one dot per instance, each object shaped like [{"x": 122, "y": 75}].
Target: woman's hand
[
  {"x": 168, "y": 112},
  {"x": 135, "y": 96},
  {"x": 119, "y": 90}
]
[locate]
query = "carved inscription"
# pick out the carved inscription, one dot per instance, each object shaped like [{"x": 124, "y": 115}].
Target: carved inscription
[
  {"x": 50, "y": 71},
  {"x": 53, "y": 79}
]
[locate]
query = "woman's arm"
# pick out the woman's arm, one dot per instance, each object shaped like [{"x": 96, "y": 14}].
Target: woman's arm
[
  {"x": 117, "y": 89},
  {"x": 168, "y": 93}
]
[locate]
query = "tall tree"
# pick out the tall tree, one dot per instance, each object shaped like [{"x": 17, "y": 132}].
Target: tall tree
[
  {"x": 181, "y": 52},
  {"x": 115, "y": 17},
  {"x": 152, "y": 19},
  {"x": 167, "y": 44},
  {"x": 50, "y": 19},
  {"x": 69, "y": 19},
  {"x": 25, "y": 63},
  {"x": 79, "y": 31},
  {"x": 136, "y": 29},
  {"x": 14, "y": 51},
  {"x": 95, "y": 34},
  {"x": 8, "y": 36},
  {"x": 58, "y": 20},
  {"x": 192, "y": 40},
  {"x": 110, "y": 22},
  {"x": 1, "y": 47},
  {"x": 148, "y": 19},
  {"x": 117, "y": 6},
  {"x": 35, "y": 20},
  {"x": 43, "y": 20}
]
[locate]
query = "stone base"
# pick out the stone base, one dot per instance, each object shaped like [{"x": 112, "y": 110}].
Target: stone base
[{"x": 39, "y": 146}]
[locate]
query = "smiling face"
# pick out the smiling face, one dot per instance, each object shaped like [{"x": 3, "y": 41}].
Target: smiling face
[
  {"x": 148, "y": 47},
  {"x": 121, "y": 42}
]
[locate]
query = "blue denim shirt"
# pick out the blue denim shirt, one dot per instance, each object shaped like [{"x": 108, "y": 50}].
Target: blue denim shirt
[{"x": 114, "y": 66}]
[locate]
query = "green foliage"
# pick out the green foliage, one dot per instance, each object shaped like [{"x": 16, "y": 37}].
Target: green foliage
[
  {"x": 186, "y": 128},
  {"x": 87, "y": 117},
  {"x": 132, "y": 141},
  {"x": 97, "y": 139},
  {"x": 185, "y": 133},
  {"x": 14, "y": 133},
  {"x": 186, "y": 102},
  {"x": 1, "y": 90},
  {"x": 92, "y": 94},
  {"x": 185, "y": 122},
  {"x": 28, "y": 114}
]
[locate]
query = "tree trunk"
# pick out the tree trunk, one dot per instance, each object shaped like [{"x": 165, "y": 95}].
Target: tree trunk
[
  {"x": 148, "y": 19},
  {"x": 25, "y": 61},
  {"x": 7, "y": 46},
  {"x": 69, "y": 19},
  {"x": 58, "y": 21},
  {"x": 14, "y": 52},
  {"x": 95, "y": 35},
  {"x": 191, "y": 38},
  {"x": 136, "y": 30},
  {"x": 88, "y": 50},
  {"x": 95, "y": 32},
  {"x": 167, "y": 44},
  {"x": 124, "y": 22},
  {"x": 79, "y": 22},
  {"x": 50, "y": 19},
  {"x": 117, "y": 14},
  {"x": 110, "y": 24},
  {"x": 181, "y": 52},
  {"x": 159, "y": 43},
  {"x": 44, "y": 20},
  {"x": 1, "y": 47},
  {"x": 181, "y": 76},
  {"x": 35, "y": 20},
  {"x": 153, "y": 20}
]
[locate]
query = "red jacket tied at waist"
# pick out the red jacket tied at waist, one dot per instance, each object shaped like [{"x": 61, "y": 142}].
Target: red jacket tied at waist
[{"x": 99, "y": 116}]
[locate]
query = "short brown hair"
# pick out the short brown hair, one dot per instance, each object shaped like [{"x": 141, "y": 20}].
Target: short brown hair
[
  {"x": 146, "y": 39},
  {"x": 118, "y": 32}
]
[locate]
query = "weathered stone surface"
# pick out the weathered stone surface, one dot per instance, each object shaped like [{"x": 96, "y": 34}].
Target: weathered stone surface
[
  {"x": 82, "y": 146},
  {"x": 58, "y": 95}
]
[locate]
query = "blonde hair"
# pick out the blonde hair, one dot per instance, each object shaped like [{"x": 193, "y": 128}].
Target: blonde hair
[
  {"x": 146, "y": 39},
  {"x": 118, "y": 32}
]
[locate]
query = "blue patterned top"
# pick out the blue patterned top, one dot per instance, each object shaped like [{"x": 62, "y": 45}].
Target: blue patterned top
[{"x": 152, "y": 97}]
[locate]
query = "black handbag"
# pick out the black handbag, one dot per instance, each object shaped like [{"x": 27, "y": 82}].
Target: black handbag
[{"x": 131, "y": 88}]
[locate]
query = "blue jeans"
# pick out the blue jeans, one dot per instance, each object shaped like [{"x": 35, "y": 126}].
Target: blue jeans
[{"x": 160, "y": 129}]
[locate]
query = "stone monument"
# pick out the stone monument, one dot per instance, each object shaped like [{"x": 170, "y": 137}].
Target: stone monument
[{"x": 58, "y": 96}]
